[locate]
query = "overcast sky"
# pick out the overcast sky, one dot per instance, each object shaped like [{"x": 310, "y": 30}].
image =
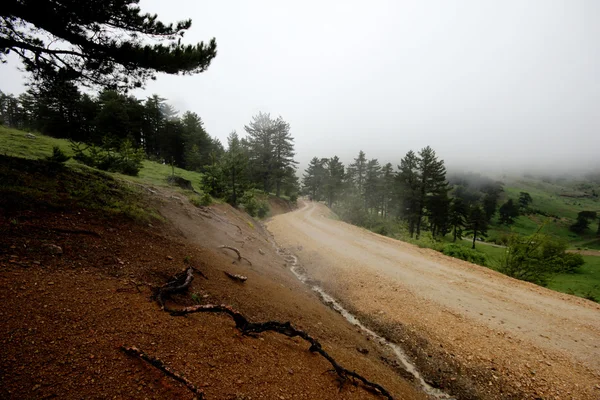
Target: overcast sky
[{"x": 485, "y": 83}]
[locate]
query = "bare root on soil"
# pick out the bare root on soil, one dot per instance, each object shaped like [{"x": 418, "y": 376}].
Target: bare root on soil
[
  {"x": 183, "y": 280},
  {"x": 160, "y": 365}
]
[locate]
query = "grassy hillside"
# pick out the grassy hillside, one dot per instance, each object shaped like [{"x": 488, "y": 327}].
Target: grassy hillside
[
  {"x": 584, "y": 283},
  {"x": 557, "y": 208},
  {"x": 14, "y": 143}
]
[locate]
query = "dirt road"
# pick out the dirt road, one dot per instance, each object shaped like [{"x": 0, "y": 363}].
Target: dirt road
[{"x": 471, "y": 329}]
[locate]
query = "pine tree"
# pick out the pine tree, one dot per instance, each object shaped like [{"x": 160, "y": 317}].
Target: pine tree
[
  {"x": 432, "y": 181},
  {"x": 524, "y": 200},
  {"x": 508, "y": 212},
  {"x": 357, "y": 172},
  {"x": 387, "y": 188},
  {"x": 97, "y": 42},
  {"x": 372, "y": 185},
  {"x": 198, "y": 143},
  {"x": 314, "y": 178},
  {"x": 334, "y": 180},
  {"x": 234, "y": 166},
  {"x": 260, "y": 144},
  {"x": 458, "y": 215},
  {"x": 438, "y": 212},
  {"x": 407, "y": 190},
  {"x": 477, "y": 223},
  {"x": 283, "y": 157}
]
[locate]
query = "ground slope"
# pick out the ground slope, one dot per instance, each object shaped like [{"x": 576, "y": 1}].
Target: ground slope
[
  {"x": 472, "y": 330},
  {"x": 66, "y": 312}
]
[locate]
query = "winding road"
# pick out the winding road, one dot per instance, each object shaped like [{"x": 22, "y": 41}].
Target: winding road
[{"x": 539, "y": 342}]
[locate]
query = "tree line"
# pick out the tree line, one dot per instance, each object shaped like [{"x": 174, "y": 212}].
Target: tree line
[
  {"x": 111, "y": 126},
  {"x": 416, "y": 192}
]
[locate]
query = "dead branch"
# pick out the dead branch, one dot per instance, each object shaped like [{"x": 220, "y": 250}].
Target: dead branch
[
  {"x": 232, "y": 249},
  {"x": 200, "y": 273},
  {"x": 284, "y": 328},
  {"x": 240, "y": 257},
  {"x": 180, "y": 284},
  {"x": 236, "y": 277},
  {"x": 157, "y": 363}
]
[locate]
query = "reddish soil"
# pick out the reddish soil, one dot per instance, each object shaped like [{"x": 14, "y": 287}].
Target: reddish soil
[{"x": 65, "y": 316}]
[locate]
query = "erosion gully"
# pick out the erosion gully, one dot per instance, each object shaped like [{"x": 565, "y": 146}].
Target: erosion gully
[{"x": 326, "y": 298}]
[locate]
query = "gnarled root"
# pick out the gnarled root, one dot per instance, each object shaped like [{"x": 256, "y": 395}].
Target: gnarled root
[
  {"x": 284, "y": 328},
  {"x": 240, "y": 257},
  {"x": 236, "y": 277},
  {"x": 157, "y": 363}
]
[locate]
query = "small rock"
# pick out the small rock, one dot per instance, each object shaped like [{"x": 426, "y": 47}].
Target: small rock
[
  {"x": 291, "y": 371},
  {"x": 262, "y": 253},
  {"x": 53, "y": 249},
  {"x": 36, "y": 387},
  {"x": 50, "y": 283},
  {"x": 169, "y": 258},
  {"x": 362, "y": 350},
  {"x": 239, "y": 381},
  {"x": 30, "y": 136}
]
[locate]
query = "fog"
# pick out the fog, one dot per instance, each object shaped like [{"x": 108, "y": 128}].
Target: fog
[{"x": 490, "y": 85}]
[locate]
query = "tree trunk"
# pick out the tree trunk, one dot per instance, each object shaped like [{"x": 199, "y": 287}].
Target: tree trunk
[
  {"x": 474, "y": 238},
  {"x": 233, "y": 195},
  {"x": 454, "y": 234},
  {"x": 278, "y": 187}
]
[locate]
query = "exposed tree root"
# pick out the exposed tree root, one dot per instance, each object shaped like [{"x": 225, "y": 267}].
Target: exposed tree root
[
  {"x": 236, "y": 277},
  {"x": 180, "y": 284},
  {"x": 240, "y": 257},
  {"x": 157, "y": 363},
  {"x": 63, "y": 230},
  {"x": 284, "y": 328}
]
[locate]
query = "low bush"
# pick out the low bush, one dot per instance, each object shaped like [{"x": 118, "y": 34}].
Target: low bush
[
  {"x": 58, "y": 156},
  {"x": 201, "y": 200},
  {"x": 464, "y": 253},
  {"x": 254, "y": 205},
  {"x": 120, "y": 157}
]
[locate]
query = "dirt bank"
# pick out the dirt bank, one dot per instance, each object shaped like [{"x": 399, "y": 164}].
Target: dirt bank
[
  {"x": 66, "y": 313},
  {"x": 472, "y": 331}
]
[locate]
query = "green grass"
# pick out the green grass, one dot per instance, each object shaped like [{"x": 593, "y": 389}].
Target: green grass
[
  {"x": 547, "y": 198},
  {"x": 14, "y": 143},
  {"x": 585, "y": 283},
  {"x": 27, "y": 184}
]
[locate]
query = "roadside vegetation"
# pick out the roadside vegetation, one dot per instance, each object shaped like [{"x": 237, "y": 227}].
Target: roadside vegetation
[
  {"x": 529, "y": 227},
  {"x": 147, "y": 142}
]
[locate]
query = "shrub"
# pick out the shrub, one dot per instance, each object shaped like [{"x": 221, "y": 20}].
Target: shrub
[
  {"x": 202, "y": 200},
  {"x": 58, "y": 156},
  {"x": 250, "y": 203},
  {"x": 263, "y": 209},
  {"x": 294, "y": 198},
  {"x": 120, "y": 157},
  {"x": 464, "y": 253},
  {"x": 537, "y": 257}
]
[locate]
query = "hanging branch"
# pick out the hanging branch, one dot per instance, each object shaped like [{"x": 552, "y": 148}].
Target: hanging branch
[{"x": 157, "y": 363}]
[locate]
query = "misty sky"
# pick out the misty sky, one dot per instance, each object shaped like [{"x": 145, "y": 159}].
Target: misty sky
[{"x": 485, "y": 83}]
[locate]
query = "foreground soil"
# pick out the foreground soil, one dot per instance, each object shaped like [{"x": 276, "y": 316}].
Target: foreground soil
[
  {"x": 67, "y": 312},
  {"x": 471, "y": 331}
]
